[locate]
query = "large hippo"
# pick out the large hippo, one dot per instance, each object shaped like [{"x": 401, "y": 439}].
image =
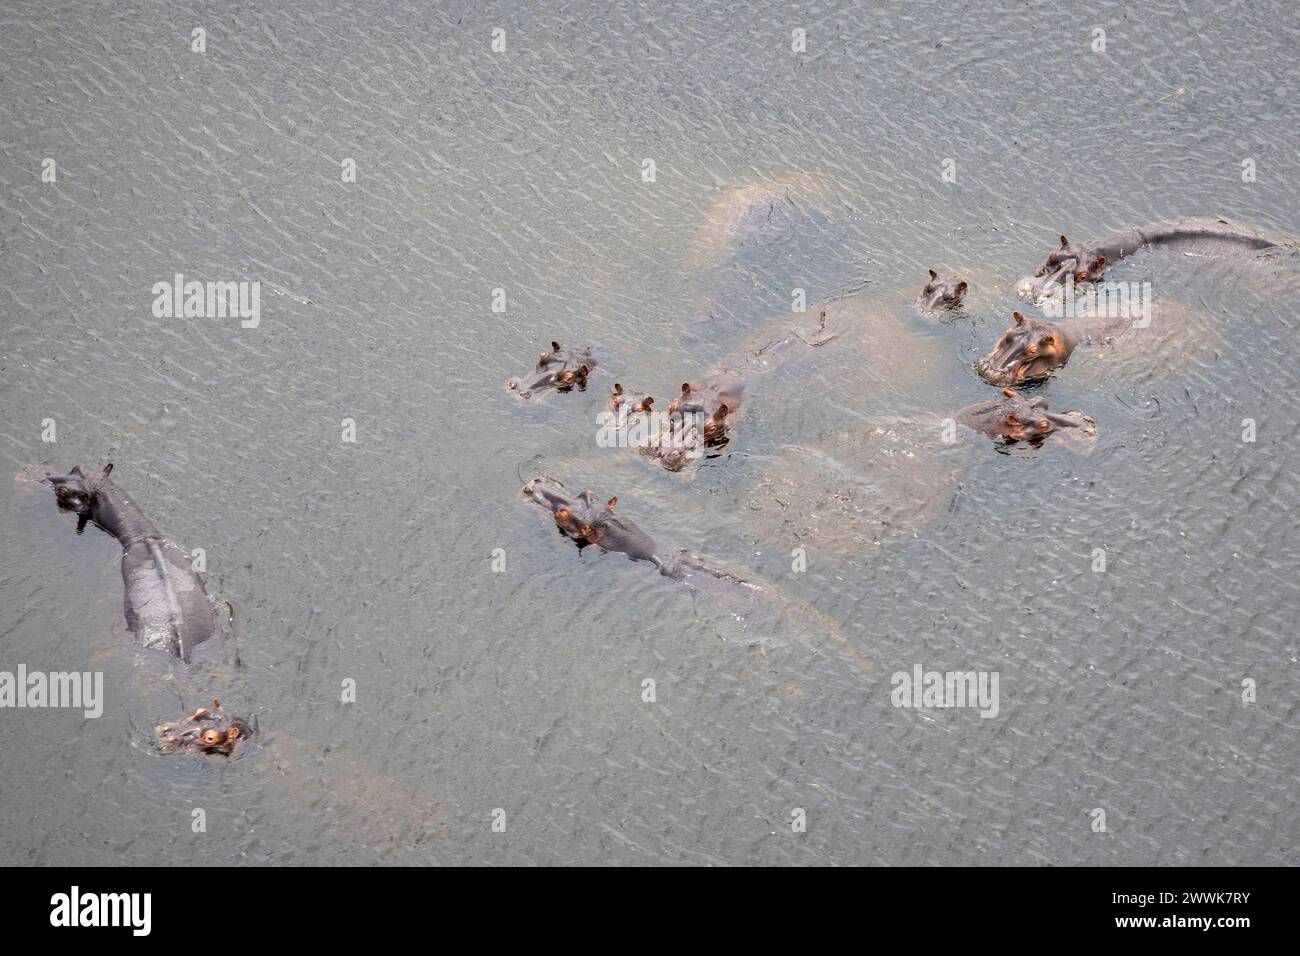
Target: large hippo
[
  {"x": 857, "y": 488},
  {"x": 586, "y": 519},
  {"x": 1083, "y": 262},
  {"x": 864, "y": 334},
  {"x": 167, "y": 607}
]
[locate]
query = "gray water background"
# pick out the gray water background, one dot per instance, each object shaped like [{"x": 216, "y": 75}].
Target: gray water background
[{"x": 522, "y": 690}]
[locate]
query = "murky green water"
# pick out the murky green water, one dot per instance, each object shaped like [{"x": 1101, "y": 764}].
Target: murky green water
[{"x": 522, "y": 171}]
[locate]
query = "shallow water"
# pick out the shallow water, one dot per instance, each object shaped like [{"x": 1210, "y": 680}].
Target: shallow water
[{"x": 522, "y": 690}]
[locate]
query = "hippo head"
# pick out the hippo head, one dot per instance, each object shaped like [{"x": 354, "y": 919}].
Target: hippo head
[
  {"x": 1014, "y": 419},
  {"x": 1018, "y": 419},
  {"x": 582, "y": 519},
  {"x": 693, "y": 401},
  {"x": 207, "y": 731},
  {"x": 1068, "y": 259},
  {"x": 942, "y": 293},
  {"x": 76, "y": 492},
  {"x": 1027, "y": 352},
  {"x": 559, "y": 369},
  {"x": 631, "y": 400}
]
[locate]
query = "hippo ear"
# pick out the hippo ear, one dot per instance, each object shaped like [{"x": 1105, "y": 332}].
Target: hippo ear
[
  {"x": 721, "y": 413},
  {"x": 107, "y": 470},
  {"x": 1020, "y": 319},
  {"x": 555, "y": 346},
  {"x": 618, "y": 389},
  {"x": 933, "y": 275},
  {"x": 1065, "y": 243},
  {"x": 611, "y": 503},
  {"x": 1099, "y": 262},
  {"x": 76, "y": 470},
  {"x": 962, "y": 287},
  {"x": 686, "y": 388}
]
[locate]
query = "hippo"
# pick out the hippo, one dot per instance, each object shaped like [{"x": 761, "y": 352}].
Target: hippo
[
  {"x": 166, "y": 605},
  {"x": 587, "y": 520},
  {"x": 855, "y": 489},
  {"x": 942, "y": 293},
  {"x": 715, "y": 400},
  {"x": 1081, "y": 262},
  {"x": 1030, "y": 350},
  {"x": 559, "y": 370},
  {"x": 209, "y": 731},
  {"x": 1013, "y": 419},
  {"x": 870, "y": 326}
]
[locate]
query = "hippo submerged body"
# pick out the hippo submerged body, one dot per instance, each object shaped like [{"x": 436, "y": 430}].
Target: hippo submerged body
[
  {"x": 858, "y": 331},
  {"x": 753, "y": 603},
  {"x": 892, "y": 478}
]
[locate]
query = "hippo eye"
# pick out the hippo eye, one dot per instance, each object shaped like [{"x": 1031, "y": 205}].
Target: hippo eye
[
  {"x": 211, "y": 738},
  {"x": 1044, "y": 425}
]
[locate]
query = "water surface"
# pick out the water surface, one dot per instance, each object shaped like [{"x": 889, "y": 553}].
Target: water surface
[{"x": 522, "y": 170}]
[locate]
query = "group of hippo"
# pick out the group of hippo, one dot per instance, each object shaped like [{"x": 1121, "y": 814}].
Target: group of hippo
[
  {"x": 169, "y": 611},
  {"x": 703, "y": 416}
]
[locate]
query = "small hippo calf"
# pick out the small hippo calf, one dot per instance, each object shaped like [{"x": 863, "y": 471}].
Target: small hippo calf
[{"x": 208, "y": 731}]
